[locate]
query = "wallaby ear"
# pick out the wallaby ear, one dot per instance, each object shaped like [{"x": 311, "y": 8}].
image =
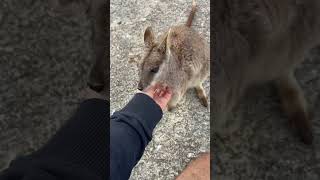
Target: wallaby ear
[
  {"x": 149, "y": 38},
  {"x": 163, "y": 44}
]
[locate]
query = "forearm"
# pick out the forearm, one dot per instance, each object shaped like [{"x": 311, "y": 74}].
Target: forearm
[{"x": 130, "y": 131}]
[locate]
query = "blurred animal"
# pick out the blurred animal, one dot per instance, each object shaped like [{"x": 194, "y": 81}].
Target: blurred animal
[
  {"x": 96, "y": 10},
  {"x": 260, "y": 41}
]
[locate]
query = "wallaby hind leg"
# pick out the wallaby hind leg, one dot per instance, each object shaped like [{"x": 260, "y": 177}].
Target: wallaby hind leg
[
  {"x": 202, "y": 95},
  {"x": 294, "y": 104},
  {"x": 100, "y": 72}
]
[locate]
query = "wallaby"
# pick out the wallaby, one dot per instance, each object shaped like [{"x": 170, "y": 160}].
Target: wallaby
[
  {"x": 260, "y": 41},
  {"x": 97, "y": 12},
  {"x": 180, "y": 61}
]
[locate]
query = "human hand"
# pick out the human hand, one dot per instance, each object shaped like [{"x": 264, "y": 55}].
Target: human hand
[{"x": 161, "y": 94}]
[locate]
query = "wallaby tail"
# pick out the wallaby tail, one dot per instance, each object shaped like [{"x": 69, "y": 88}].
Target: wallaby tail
[{"x": 192, "y": 13}]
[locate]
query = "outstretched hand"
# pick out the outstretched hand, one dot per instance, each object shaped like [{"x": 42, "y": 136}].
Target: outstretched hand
[{"x": 161, "y": 94}]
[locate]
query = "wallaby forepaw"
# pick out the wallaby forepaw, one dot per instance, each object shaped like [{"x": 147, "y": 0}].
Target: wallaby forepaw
[{"x": 204, "y": 102}]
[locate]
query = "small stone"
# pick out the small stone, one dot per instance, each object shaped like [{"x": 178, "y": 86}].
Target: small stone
[{"x": 190, "y": 155}]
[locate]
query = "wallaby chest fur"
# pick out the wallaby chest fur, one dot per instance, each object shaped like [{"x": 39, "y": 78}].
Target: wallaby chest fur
[{"x": 186, "y": 63}]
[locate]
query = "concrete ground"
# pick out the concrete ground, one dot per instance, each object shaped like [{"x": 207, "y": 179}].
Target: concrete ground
[
  {"x": 182, "y": 134},
  {"x": 44, "y": 63},
  {"x": 265, "y": 148}
]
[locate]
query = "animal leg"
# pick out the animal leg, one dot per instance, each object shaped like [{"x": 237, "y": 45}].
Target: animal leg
[
  {"x": 294, "y": 104},
  {"x": 202, "y": 95}
]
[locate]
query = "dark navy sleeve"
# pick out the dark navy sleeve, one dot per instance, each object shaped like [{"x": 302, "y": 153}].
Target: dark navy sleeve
[
  {"x": 79, "y": 150},
  {"x": 130, "y": 132}
]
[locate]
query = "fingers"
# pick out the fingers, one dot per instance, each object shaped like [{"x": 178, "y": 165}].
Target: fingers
[
  {"x": 149, "y": 89},
  {"x": 168, "y": 94},
  {"x": 162, "y": 90},
  {"x": 160, "y": 93}
]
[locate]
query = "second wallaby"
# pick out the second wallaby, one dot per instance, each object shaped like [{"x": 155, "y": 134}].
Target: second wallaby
[
  {"x": 179, "y": 61},
  {"x": 260, "y": 41},
  {"x": 96, "y": 10}
]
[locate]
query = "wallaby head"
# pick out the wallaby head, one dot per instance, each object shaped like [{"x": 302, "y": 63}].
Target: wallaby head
[
  {"x": 155, "y": 51},
  {"x": 154, "y": 55}
]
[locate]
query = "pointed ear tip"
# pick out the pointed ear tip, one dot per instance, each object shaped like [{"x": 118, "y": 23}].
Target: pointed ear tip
[{"x": 148, "y": 30}]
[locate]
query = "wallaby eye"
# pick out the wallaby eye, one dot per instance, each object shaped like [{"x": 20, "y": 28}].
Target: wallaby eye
[{"x": 154, "y": 70}]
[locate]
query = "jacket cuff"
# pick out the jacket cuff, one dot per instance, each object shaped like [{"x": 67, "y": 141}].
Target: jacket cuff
[{"x": 144, "y": 107}]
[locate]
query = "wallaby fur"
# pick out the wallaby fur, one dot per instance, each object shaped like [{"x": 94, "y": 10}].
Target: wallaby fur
[
  {"x": 96, "y": 10},
  {"x": 180, "y": 61},
  {"x": 259, "y": 41}
]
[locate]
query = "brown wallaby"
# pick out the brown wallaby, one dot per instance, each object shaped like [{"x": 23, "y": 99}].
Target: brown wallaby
[
  {"x": 259, "y": 41},
  {"x": 180, "y": 61},
  {"x": 97, "y": 12}
]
